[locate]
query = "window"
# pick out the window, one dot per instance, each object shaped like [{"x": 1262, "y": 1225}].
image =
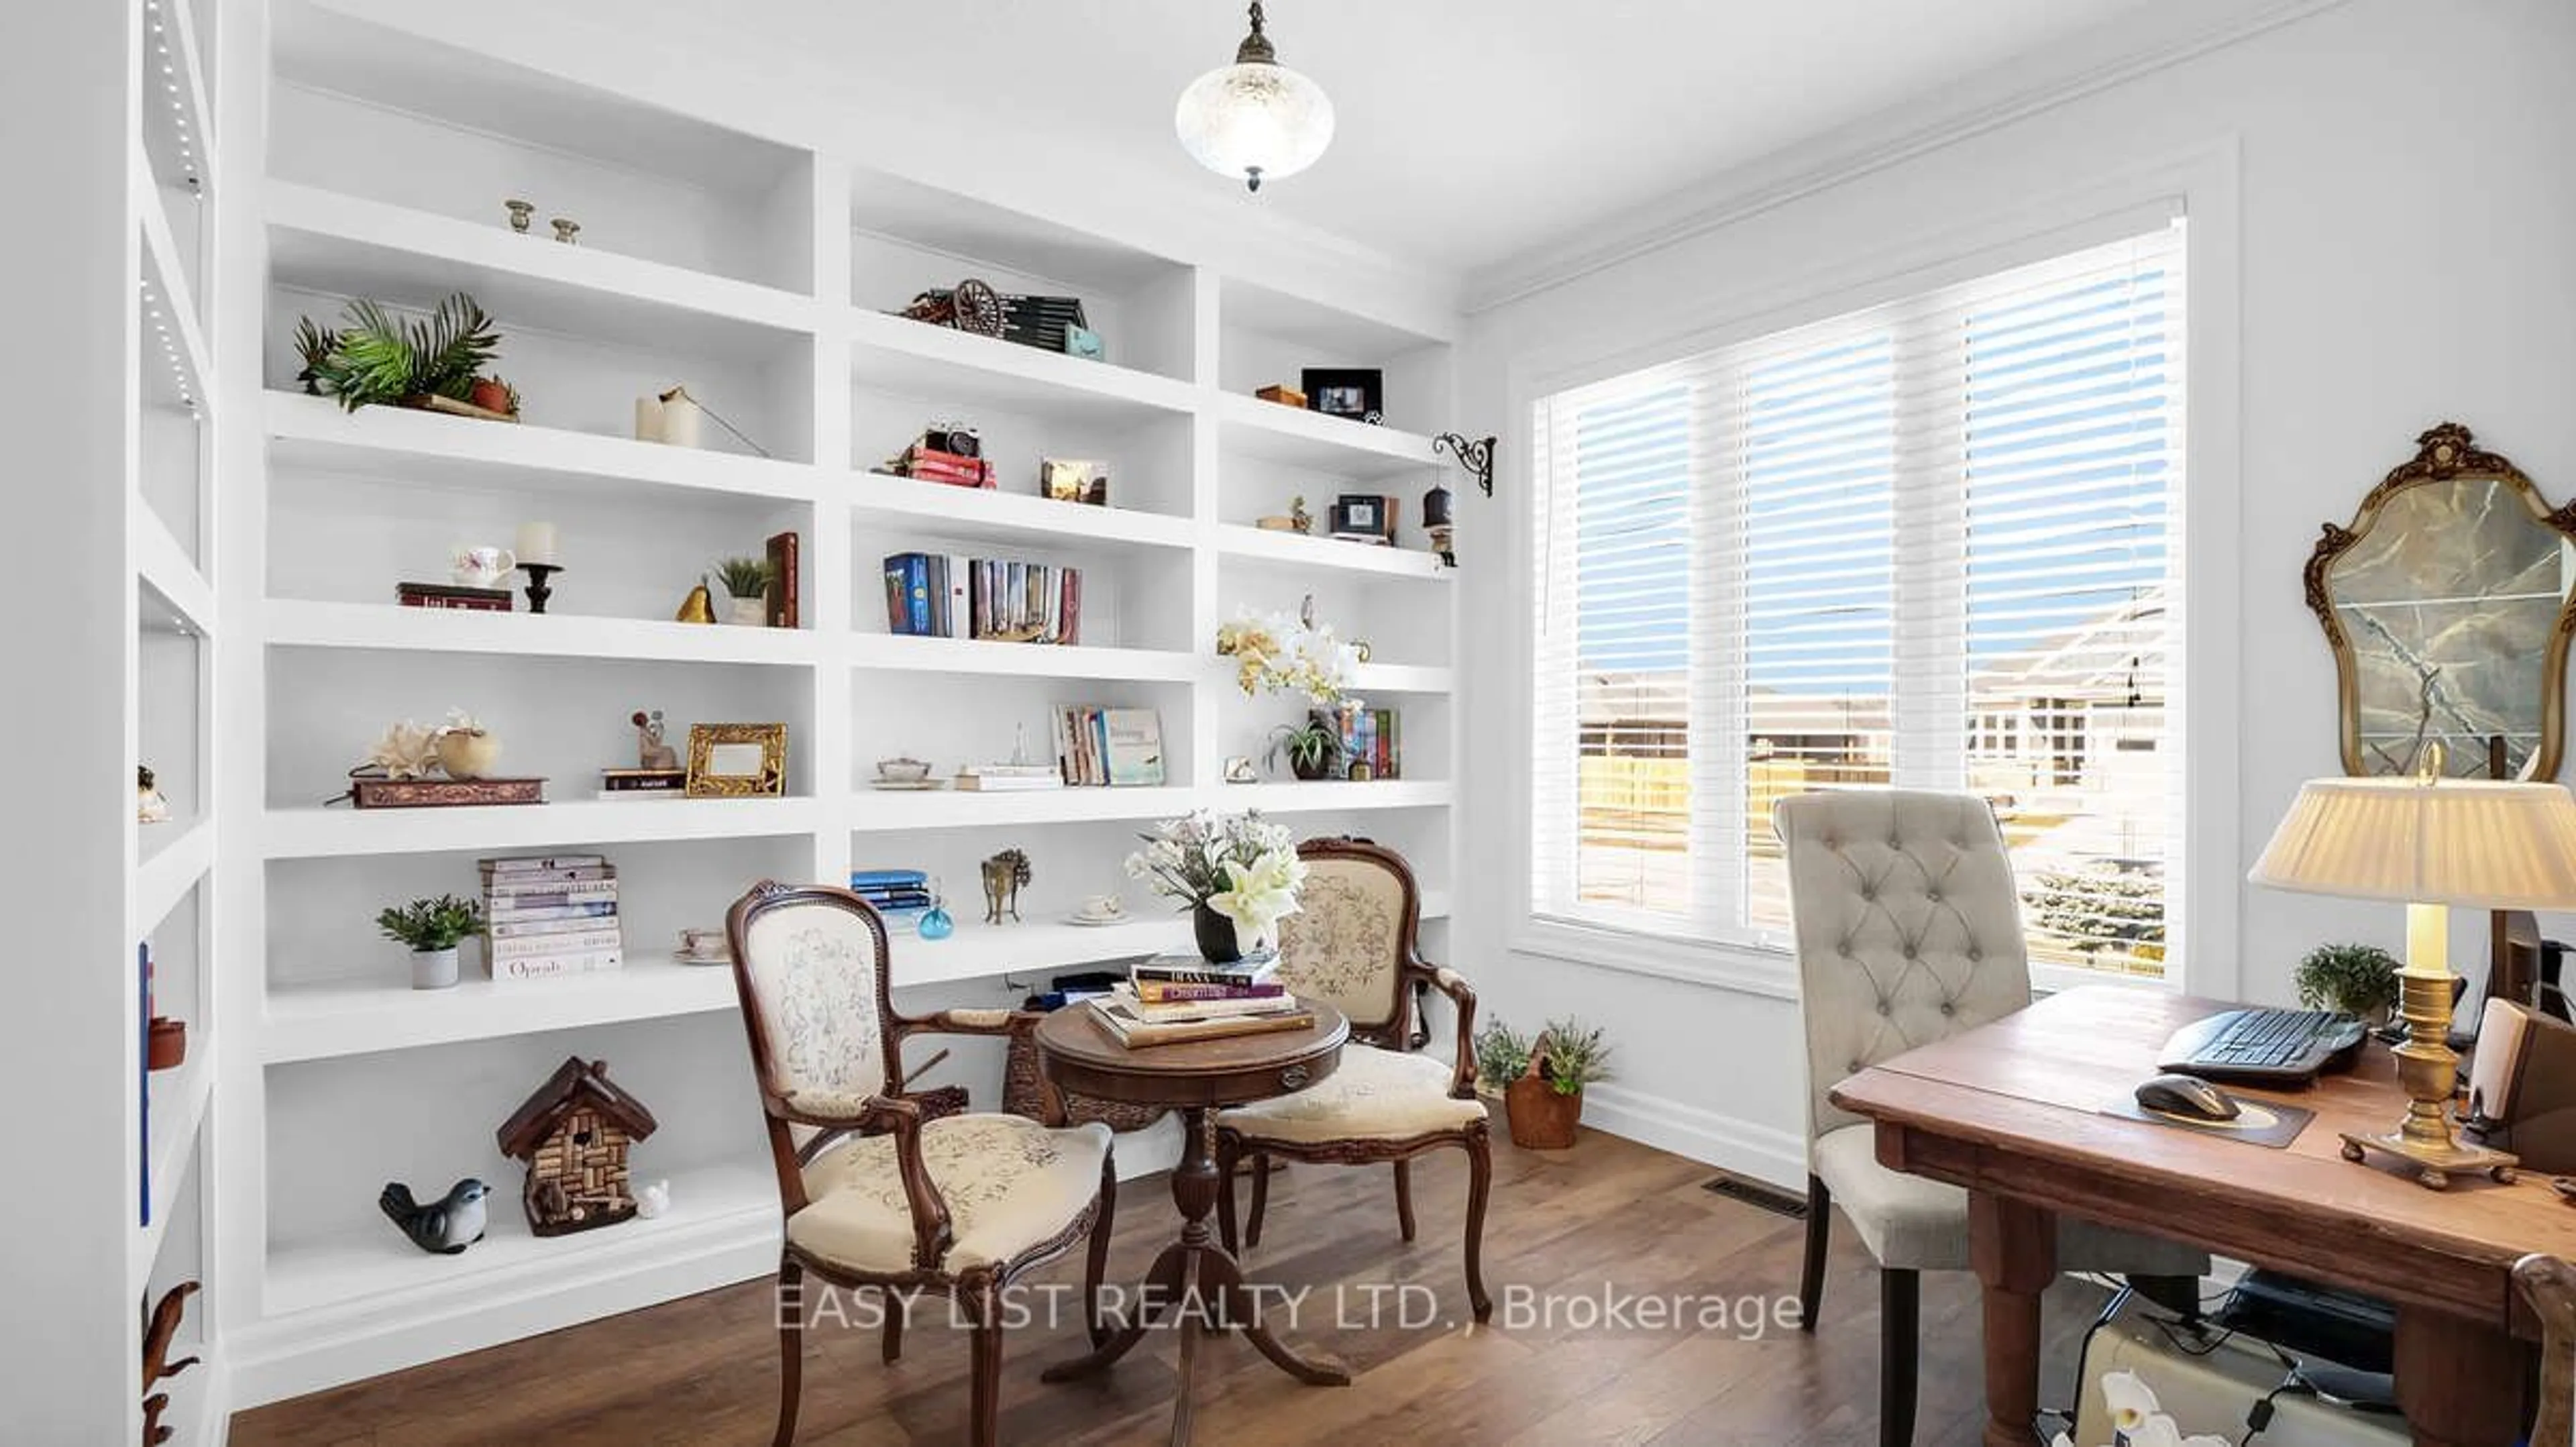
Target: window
[{"x": 1934, "y": 544}]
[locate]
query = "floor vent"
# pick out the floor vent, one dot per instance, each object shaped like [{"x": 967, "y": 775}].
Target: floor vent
[{"x": 1754, "y": 1193}]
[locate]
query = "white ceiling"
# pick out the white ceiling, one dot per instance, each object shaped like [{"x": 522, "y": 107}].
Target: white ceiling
[{"x": 1470, "y": 131}]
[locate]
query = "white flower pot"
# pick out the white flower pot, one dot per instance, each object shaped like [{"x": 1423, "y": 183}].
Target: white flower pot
[
  {"x": 750, "y": 612},
  {"x": 433, "y": 969}
]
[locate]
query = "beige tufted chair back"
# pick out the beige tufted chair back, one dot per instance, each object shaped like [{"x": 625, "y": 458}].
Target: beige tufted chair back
[
  {"x": 810, "y": 966},
  {"x": 1354, "y": 925},
  {"x": 1908, "y": 927}
]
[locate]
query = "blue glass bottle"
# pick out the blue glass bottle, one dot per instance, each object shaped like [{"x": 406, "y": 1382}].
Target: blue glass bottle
[{"x": 935, "y": 923}]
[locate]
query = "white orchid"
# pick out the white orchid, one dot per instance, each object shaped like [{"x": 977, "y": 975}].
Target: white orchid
[
  {"x": 2137, "y": 1420},
  {"x": 1238, "y": 865},
  {"x": 1288, "y": 653}
]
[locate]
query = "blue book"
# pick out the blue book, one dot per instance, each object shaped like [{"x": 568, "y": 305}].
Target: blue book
[{"x": 863, "y": 878}]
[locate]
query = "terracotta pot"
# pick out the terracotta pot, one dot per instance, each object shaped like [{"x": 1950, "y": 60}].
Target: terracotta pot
[
  {"x": 1541, "y": 1119},
  {"x": 468, "y": 756},
  {"x": 490, "y": 395},
  {"x": 1216, "y": 936},
  {"x": 168, "y": 1045}
]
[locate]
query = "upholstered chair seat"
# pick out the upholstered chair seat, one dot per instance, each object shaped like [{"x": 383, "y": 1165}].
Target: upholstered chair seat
[
  {"x": 1011, "y": 1185},
  {"x": 1908, "y": 930},
  {"x": 878, "y": 1192},
  {"x": 1375, "y": 1094},
  {"x": 1352, "y": 944}
]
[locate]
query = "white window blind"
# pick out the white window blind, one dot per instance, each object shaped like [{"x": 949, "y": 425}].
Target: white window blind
[{"x": 1934, "y": 544}]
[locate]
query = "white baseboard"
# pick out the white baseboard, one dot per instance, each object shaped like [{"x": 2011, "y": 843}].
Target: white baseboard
[{"x": 1730, "y": 1143}]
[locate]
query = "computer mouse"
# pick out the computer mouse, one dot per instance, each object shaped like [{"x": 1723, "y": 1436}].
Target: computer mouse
[{"x": 2187, "y": 1096}]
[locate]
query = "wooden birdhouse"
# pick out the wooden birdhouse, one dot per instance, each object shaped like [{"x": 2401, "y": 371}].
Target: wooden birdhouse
[{"x": 574, "y": 1135}]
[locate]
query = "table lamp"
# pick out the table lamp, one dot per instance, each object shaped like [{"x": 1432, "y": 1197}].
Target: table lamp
[{"x": 2432, "y": 843}]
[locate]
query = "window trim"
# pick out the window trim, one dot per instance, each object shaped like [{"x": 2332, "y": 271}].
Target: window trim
[{"x": 2202, "y": 184}]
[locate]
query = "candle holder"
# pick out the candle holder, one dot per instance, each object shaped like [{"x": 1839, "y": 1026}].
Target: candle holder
[{"x": 539, "y": 590}]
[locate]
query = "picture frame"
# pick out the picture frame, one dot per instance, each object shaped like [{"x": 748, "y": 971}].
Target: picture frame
[
  {"x": 1355, "y": 393},
  {"x": 1364, "y": 515},
  {"x": 737, "y": 761},
  {"x": 1067, "y": 479}
]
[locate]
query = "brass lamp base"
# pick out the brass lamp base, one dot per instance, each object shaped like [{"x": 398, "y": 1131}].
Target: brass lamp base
[{"x": 2433, "y": 1163}]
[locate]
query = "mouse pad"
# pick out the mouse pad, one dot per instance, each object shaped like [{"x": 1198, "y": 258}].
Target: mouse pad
[{"x": 2258, "y": 1122}]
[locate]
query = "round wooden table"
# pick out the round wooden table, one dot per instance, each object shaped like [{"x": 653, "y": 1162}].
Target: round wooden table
[{"x": 1195, "y": 1278}]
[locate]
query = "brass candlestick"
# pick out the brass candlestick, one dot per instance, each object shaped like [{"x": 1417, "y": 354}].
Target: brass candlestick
[{"x": 2429, "y": 1069}]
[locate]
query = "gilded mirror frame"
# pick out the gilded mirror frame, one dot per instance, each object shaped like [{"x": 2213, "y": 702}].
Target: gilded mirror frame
[{"x": 2444, "y": 453}]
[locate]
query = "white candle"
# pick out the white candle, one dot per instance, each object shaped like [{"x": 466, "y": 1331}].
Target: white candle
[{"x": 536, "y": 543}]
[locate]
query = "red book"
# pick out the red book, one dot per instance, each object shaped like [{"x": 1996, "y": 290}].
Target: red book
[
  {"x": 785, "y": 591},
  {"x": 1071, "y": 630}
]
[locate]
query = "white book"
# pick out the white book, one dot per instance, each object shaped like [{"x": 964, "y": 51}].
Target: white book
[
  {"x": 961, "y": 596},
  {"x": 545, "y": 967},
  {"x": 539, "y": 946}
]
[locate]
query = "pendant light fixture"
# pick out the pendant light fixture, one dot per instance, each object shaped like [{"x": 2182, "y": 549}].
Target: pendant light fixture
[{"x": 1256, "y": 118}]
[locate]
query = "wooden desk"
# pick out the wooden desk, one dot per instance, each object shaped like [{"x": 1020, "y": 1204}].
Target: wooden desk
[
  {"x": 1195, "y": 1282},
  {"x": 2010, "y": 1111}
]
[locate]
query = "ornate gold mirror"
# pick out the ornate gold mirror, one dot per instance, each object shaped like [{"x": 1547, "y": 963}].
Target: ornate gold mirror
[{"x": 2447, "y": 603}]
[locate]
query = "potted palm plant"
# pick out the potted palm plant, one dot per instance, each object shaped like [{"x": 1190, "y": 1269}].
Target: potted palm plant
[
  {"x": 1545, "y": 1103},
  {"x": 377, "y": 358},
  {"x": 746, "y": 581},
  {"x": 432, "y": 929}
]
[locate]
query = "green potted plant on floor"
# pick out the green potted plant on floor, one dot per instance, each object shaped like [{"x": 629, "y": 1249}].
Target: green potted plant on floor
[
  {"x": 432, "y": 929},
  {"x": 746, "y": 581},
  {"x": 1546, "y": 1102},
  {"x": 1502, "y": 1056},
  {"x": 2359, "y": 980}
]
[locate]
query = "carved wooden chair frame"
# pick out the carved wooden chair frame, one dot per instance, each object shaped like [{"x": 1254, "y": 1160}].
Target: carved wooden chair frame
[
  {"x": 2443, "y": 453},
  {"x": 978, "y": 1289},
  {"x": 1397, "y": 1034}
]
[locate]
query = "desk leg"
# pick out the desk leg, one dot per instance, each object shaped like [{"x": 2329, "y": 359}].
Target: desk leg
[
  {"x": 2460, "y": 1382},
  {"x": 2014, "y": 1249}
]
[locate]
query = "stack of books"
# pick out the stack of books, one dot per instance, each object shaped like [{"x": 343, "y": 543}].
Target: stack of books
[
  {"x": 949, "y": 595},
  {"x": 1000, "y": 778},
  {"x": 1374, "y": 736},
  {"x": 452, "y": 595},
  {"x": 550, "y": 915},
  {"x": 1171, "y": 998},
  {"x": 1108, "y": 746},
  {"x": 901, "y": 896},
  {"x": 932, "y": 465}
]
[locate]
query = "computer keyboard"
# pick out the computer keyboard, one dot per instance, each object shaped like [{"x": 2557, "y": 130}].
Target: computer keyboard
[{"x": 2262, "y": 1046}]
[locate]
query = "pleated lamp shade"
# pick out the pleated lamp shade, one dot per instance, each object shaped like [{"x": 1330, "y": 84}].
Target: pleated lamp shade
[{"x": 2459, "y": 842}]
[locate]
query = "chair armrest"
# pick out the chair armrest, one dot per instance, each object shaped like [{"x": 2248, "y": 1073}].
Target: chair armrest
[
  {"x": 1462, "y": 1082},
  {"x": 931, "y": 1231},
  {"x": 968, "y": 1022}
]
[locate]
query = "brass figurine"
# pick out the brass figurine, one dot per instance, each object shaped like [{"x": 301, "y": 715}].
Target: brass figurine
[
  {"x": 1004, "y": 876},
  {"x": 698, "y": 607}
]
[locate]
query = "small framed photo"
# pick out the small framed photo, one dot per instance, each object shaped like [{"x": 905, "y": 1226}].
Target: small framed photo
[
  {"x": 1358, "y": 393},
  {"x": 737, "y": 761},
  {"x": 1072, "y": 480},
  {"x": 1364, "y": 516}
]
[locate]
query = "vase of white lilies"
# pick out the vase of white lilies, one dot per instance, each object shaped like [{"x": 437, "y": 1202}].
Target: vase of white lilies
[{"x": 1237, "y": 876}]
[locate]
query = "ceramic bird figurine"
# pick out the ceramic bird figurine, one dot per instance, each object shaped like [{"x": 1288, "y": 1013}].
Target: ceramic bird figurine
[
  {"x": 445, "y": 1226},
  {"x": 652, "y": 1199}
]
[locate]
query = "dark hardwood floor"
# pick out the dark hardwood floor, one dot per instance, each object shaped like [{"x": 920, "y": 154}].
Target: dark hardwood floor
[{"x": 1564, "y": 1225}]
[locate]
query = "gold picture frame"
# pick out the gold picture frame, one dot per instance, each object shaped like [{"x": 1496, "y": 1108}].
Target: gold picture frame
[{"x": 737, "y": 761}]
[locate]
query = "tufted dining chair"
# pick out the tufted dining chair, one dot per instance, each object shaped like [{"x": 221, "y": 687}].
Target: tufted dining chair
[
  {"x": 1352, "y": 944},
  {"x": 1908, "y": 930},
  {"x": 877, "y": 1194}
]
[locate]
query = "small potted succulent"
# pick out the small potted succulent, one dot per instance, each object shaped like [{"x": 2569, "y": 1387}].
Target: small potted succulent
[
  {"x": 1502, "y": 1056},
  {"x": 1545, "y": 1103},
  {"x": 2359, "y": 980},
  {"x": 1313, "y": 749},
  {"x": 746, "y": 580},
  {"x": 432, "y": 929}
]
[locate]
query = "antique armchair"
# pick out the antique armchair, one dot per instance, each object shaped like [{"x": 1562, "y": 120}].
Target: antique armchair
[
  {"x": 1908, "y": 930},
  {"x": 1352, "y": 944},
  {"x": 876, "y": 1193}
]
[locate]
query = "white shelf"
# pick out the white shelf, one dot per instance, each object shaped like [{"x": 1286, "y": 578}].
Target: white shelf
[
  {"x": 1335, "y": 795},
  {"x": 943, "y": 365},
  {"x": 310, "y": 833},
  {"x": 178, "y": 1108},
  {"x": 1318, "y": 443},
  {"x": 376, "y": 1272},
  {"x": 346, "y": 245},
  {"x": 1007, "y": 518},
  {"x": 296, "y": 623},
  {"x": 165, "y": 568},
  {"x": 1024, "y": 660},
  {"x": 1265, "y": 547},
  {"x": 321, "y": 1020},
  {"x": 878, "y": 810},
  {"x": 167, "y": 871},
  {"x": 1376, "y": 678},
  {"x": 1038, "y": 947},
  {"x": 427, "y": 450}
]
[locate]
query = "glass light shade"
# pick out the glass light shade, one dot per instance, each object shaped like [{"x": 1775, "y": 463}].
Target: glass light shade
[
  {"x": 1257, "y": 121},
  {"x": 2454, "y": 842}
]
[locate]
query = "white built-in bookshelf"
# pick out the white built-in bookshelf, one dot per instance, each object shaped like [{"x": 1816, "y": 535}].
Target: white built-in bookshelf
[{"x": 758, "y": 271}]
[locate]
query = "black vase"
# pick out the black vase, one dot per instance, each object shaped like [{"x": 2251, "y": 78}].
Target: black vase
[{"x": 1216, "y": 936}]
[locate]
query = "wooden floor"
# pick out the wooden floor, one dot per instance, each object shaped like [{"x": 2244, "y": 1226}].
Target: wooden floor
[{"x": 704, "y": 1370}]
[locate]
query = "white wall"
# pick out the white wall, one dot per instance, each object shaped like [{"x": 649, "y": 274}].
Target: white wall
[{"x": 2408, "y": 254}]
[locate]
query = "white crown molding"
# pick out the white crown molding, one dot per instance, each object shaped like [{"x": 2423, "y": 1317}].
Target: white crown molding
[{"x": 2153, "y": 39}]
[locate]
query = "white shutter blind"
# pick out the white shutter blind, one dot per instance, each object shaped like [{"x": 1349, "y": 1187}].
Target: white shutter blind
[{"x": 1934, "y": 543}]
